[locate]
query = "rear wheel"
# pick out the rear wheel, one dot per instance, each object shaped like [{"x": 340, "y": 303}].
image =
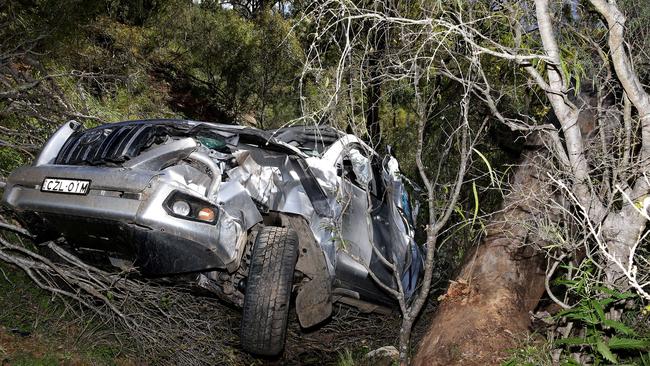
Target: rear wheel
[{"x": 268, "y": 291}]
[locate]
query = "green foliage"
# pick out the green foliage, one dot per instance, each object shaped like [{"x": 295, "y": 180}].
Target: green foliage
[
  {"x": 608, "y": 340},
  {"x": 531, "y": 354},
  {"x": 605, "y": 339},
  {"x": 10, "y": 159},
  {"x": 88, "y": 65},
  {"x": 604, "y": 326},
  {"x": 346, "y": 358},
  {"x": 244, "y": 66},
  {"x": 357, "y": 357},
  {"x": 120, "y": 59}
]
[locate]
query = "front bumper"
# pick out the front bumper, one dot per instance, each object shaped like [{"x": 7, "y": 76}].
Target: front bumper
[{"x": 123, "y": 213}]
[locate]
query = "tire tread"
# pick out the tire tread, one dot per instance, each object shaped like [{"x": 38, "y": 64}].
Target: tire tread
[{"x": 268, "y": 291}]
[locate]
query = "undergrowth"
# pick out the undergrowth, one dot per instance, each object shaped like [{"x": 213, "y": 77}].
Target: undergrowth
[
  {"x": 602, "y": 327},
  {"x": 38, "y": 329}
]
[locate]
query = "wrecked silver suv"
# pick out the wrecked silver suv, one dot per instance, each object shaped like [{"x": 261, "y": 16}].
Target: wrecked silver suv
[{"x": 254, "y": 216}]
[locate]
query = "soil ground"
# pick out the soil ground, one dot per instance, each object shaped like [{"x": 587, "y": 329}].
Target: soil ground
[{"x": 36, "y": 329}]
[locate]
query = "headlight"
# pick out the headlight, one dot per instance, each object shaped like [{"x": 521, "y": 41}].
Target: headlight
[
  {"x": 189, "y": 207},
  {"x": 181, "y": 208}
]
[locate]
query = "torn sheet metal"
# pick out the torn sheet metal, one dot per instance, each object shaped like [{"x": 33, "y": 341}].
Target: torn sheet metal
[
  {"x": 361, "y": 167},
  {"x": 235, "y": 200},
  {"x": 188, "y": 176},
  {"x": 325, "y": 174},
  {"x": 258, "y": 180}
]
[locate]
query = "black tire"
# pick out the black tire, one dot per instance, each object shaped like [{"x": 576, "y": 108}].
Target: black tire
[{"x": 268, "y": 291}]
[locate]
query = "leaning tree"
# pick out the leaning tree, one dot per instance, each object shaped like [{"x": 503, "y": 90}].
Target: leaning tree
[{"x": 580, "y": 192}]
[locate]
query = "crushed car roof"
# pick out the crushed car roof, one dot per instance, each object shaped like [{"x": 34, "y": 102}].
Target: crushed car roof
[{"x": 119, "y": 142}]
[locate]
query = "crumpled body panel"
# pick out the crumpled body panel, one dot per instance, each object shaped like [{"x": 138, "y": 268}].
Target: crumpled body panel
[{"x": 352, "y": 200}]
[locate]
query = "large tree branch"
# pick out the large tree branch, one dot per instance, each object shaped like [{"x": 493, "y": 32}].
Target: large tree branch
[
  {"x": 566, "y": 113},
  {"x": 629, "y": 79}
]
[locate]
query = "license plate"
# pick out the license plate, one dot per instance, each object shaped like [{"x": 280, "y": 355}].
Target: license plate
[{"x": 70, "y": 186}]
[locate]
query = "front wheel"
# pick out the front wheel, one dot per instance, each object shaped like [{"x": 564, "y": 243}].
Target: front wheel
[{"x": 268, "y": 291}]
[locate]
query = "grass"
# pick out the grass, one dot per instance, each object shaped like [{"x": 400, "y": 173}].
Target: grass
[
  {"x": 347, "y": 358},
  {"x": 530, "y": 355},
  {"x": 357, "y": 357},
  {"x": 36, "y": 329}
]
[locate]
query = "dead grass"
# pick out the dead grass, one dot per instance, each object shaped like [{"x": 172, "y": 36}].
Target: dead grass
[{"x": 36, "y": 329}]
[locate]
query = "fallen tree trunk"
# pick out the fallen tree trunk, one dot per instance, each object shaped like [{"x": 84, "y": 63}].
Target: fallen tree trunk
[{"x": 486, "y": 309}]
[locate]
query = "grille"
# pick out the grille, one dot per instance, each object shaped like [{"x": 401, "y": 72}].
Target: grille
[{"x": 108, "y": 144}]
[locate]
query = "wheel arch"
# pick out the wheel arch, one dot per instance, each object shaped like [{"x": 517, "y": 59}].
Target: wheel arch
[{"x": 314, "y": 298}]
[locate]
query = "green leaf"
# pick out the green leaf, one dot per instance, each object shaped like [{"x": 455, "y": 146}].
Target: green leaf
[
  {"x": 585, "y": 316},
  {"x": 564, "y": 69},
  {"x": 619, "y": 327},
  {"x": 570, "y": 362},
  {"x": 476, "y": 203},
  {"x": 606, "y": 302},
  {"x": 604, "y": 350},
  {"x": 493, "y": 175},
  {"x": 459, "y": 210},
  {"x": 629, "y": 343},
  {"x": 599, "y": 310}
]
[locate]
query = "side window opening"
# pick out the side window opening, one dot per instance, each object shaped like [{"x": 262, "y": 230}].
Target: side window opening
[
  {"x": 355, "y": 166},
  {"x": 347, "y": 171},
  {"x": 363, "y": 171},
  {"x": 377, "y": 188}
]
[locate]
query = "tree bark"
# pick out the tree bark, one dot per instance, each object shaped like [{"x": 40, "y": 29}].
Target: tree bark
[{"x": 486, "y": 308}]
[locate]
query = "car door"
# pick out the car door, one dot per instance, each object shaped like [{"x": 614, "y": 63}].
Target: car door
[{"x": 360, "y": 201}]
